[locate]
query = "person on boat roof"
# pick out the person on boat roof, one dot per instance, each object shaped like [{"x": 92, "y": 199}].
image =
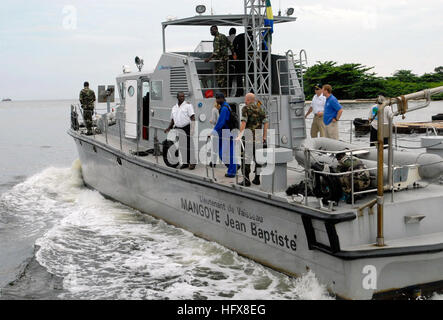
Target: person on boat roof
[
  {"x": 183, "y": 118},
  {"x": 240, "y": 65},
  {"x": 222, "y": 45},
  {"x": 222, "y": 131},
  {"x": 232, "y": 66},
  {"x": 87, "y": 99},
  {"x": 254, "y": 118}
]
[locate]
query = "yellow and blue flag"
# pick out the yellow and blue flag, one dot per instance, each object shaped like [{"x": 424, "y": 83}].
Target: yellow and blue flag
[{"x": 269, "y": 22}]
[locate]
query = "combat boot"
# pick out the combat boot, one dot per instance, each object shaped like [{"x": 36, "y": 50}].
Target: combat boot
[
  {"x": 256, "y": 180},
  {"x": 246, "y": 182}
]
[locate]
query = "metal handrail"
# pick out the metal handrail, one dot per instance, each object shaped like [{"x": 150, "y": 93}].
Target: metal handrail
[
  {"x": 309, "y": 171},
  {"x": 242, "y": 157},
  {"x": 351, "y": 131}
]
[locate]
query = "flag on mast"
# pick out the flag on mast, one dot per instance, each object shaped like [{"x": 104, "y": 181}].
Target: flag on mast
[{"x": 269, "y": 22}]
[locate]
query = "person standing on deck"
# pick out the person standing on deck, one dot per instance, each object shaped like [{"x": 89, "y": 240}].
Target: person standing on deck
[
  {"x": 318, "y": 107},
  {"x": 221, "y": 53},
  {"x": 254, "y": 118},
  {"x": 183, "y": 118},
  {"x": 87, "y": 99},
  {"x": 333, "y": 112},
  {"x": 225, "y": 142},
  {"x": 373, "y": 119},
  {"x": 214, "y": 119}
]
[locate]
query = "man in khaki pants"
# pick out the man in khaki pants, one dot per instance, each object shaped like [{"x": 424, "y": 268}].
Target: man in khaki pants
[
  {"x": 333, "y": 112},
  {"x": 317, "y": 106}
]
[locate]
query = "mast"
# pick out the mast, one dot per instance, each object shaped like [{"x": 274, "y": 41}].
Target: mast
[{"x": 258, "y": 49}]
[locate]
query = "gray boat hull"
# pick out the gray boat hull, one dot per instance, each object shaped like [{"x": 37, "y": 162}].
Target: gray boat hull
[{"x": 289, "y": 238}]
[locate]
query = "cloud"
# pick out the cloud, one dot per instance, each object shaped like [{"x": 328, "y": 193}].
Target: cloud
[{"x": 38, "y": 48}]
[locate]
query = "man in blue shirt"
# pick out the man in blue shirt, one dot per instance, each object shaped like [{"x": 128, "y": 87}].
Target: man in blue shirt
[
  {"x": 333, "y": 112},
  {"x": 225, "y": 143}
]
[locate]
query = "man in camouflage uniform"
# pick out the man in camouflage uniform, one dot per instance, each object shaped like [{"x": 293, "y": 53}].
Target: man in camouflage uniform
[
  {"x": 87, "y": 99},
  {"x": 361, "y": 179},
  {"x": 254, "y": 118},
  {"x": 222, "y": 45}
]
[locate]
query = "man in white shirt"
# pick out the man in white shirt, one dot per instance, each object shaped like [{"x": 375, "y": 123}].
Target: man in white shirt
[
  {"x": 317, "y": 107},
  {"x": 183, "y": 119},
  {"x": 373, "y": 119}
]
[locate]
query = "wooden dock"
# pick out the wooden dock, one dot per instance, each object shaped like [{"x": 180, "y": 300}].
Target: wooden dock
[
  {"x": 419, "y": 127},
  {"x": 362, "y": 127}
]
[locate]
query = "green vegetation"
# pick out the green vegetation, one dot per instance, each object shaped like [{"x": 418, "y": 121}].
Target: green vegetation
[{"x": 355, "y": 81}]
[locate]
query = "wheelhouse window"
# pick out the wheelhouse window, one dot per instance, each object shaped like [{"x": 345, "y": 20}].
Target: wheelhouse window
[
  {"x": 131, "y": 91},
  {"x": 157, "y": 90},
  {"x": 122, "y": 90}
]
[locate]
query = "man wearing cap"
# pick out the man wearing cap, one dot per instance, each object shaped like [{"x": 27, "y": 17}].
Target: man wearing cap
[
  {"x": 318, "y": 107},
  {"x": 332, "y": 113},
  {"x": 222, "y": 132}
]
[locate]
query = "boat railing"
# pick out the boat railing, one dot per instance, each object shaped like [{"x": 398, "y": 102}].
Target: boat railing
[
  {"x": 242, "y": 157},
  {"x": 342, "y": 132},
  {"x": 230, "y": 76},
  {"x": 210, "y": 172},
  {"x": 352, "y": 152}
]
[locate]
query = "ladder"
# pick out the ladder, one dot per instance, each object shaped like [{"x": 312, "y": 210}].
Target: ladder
[{"x": 290, "y": 76}]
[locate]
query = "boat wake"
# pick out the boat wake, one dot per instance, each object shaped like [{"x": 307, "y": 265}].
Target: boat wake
[{"x": 102, "y": 249}]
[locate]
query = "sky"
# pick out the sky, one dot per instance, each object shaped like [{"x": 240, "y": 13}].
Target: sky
[{"x": 48, "y": 48}]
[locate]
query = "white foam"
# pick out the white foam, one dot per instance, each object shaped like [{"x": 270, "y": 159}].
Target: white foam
[
  {"x": 42, "y": 199},
  {"x": 436, "y": 296},
  {"x": 105, "y": 250}
]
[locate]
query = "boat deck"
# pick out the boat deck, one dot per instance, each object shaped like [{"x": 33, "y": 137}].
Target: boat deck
[
  {"x": 295, "y": 175},
  {"x": 411, "y": 242}
]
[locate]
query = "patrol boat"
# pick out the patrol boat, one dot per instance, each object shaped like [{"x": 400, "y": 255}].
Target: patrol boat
[{"x": 388, "y": 243}]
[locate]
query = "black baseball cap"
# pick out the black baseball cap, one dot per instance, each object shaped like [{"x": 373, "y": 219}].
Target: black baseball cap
[
  {"x": 219, "y": 95},
  {"x": 318, "y": 86}
]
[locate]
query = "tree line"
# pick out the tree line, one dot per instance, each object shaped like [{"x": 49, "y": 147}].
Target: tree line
[{"x": 356, "y": 81}]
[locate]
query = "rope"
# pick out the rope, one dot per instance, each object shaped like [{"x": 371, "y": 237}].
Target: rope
[
  {"x": 430, "y": 164},
  {"x": 408, "y": 140},
  {"x": 415, "y": 148}
]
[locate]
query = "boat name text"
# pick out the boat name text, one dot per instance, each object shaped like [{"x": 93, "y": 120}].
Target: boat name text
[{"x": 255, "y": 229}]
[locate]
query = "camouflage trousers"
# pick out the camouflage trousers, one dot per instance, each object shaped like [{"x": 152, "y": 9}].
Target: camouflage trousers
[
  {"x": 221, "y": 71},
  {"x": 247, "y": 157},
  {"x": 361, "y": 181},
  {"x": 88, "y": 111}
]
